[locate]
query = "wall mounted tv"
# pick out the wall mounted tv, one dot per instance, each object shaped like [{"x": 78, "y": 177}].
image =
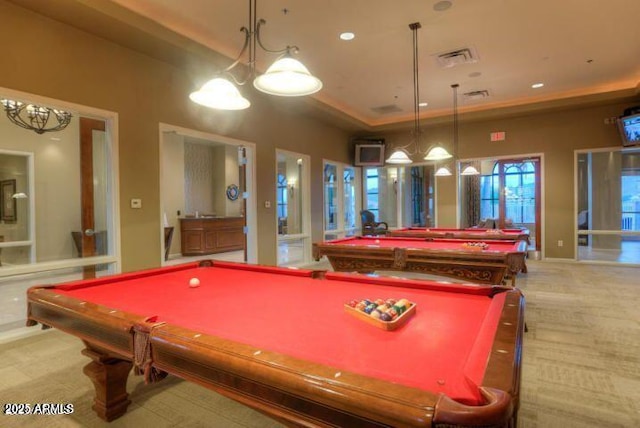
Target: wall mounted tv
[
  {"x": 629, "y": 127},
  {"x": 369, "y": 153}
]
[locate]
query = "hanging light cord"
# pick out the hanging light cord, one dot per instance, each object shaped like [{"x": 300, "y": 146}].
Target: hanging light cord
[
  {"x": 251, "y": 42},
  {"x": 416, "y": 85},
  {"x": 455, "y": 120}
]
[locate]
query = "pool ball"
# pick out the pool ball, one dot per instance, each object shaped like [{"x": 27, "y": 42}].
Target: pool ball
[
  {"x": 385, "y": 316},
  {"x": 194, "y": 282},
  {"x": 370, "y": 308}
]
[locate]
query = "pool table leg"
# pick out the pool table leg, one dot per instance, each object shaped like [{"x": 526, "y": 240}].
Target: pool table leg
[{"x": 109, "y": 377}]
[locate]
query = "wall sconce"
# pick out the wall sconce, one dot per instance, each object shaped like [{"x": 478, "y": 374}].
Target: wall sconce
[
  {"x": 19, "y": 195},
  {"x": 291, "y": 184},
  {"x": 35, "y": 118}
]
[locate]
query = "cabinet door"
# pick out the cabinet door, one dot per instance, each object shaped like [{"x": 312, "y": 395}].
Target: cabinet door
[
  {"x": 210, "y": 240},
  {"x": 231, "y": 238},
  {"x": 192, "y": 242}
]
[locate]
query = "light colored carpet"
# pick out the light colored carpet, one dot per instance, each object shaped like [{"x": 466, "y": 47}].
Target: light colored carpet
[{"x": 581, "y": 364}]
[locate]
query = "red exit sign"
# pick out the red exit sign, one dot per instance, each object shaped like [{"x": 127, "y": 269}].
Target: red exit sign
[{"x": 498, "y": 136}]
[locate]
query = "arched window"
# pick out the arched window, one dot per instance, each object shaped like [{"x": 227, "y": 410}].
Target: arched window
[{"x": 519, "y": 192}]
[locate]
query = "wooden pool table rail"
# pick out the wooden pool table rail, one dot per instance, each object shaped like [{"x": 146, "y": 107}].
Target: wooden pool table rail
[
  {"x": 482, "y": 267},
  {"x": 459, "y": 234}
]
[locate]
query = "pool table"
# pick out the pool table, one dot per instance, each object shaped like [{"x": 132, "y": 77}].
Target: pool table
[
  {"x": 470, "y": 233},
  {"x": 435, "y": 256},
  {"x": 280, "y": 341}
]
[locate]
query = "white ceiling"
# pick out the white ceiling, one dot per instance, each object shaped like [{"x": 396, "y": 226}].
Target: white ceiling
[{"x": 575, "y": 47}]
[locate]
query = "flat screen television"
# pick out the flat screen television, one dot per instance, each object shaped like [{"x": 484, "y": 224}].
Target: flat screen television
[
  {"x": 369, "y": 154},
  {"x": 629, "y": 127}
]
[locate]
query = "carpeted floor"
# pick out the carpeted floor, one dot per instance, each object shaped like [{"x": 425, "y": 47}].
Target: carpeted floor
[{"x": 581, "y": 364}]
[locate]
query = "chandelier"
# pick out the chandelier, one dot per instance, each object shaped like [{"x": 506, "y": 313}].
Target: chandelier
[
  {"x": 286, "y": 77},
  {"x": 402, "y": 155},
  {"x": 35, "y": 117}
]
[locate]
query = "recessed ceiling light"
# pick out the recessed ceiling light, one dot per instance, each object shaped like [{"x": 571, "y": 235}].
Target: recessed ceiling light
[
  {"x": 423, "y": 104},
  {"x": 347, "y": 36},
  {"x": 442, "y": 6},
  {"x": 537, "y": 85}
]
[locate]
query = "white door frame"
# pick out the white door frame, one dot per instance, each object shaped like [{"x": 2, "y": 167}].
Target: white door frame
[{"x": 252, "y": 207}]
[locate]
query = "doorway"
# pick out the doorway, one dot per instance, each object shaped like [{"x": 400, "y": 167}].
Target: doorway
[
  {"x": 506, "y": 194},
  {"x": 207, "y": 208},
  {"x": 293, "y": 208},
  {"x": 608, "y": 205}
]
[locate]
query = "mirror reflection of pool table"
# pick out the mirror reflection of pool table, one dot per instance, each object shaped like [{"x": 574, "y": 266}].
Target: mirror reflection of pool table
[
  {"x": 456, "y": 258},
  {"x": 280, "y": 341}
]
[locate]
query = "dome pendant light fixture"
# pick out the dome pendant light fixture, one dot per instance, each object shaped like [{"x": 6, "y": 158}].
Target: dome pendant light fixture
[
  {"x": 470, "y": 170},
  {"x": 286, "y": 77}
]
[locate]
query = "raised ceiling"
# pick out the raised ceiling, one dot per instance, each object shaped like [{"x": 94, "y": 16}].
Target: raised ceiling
[{"x": 579, "y": 49}]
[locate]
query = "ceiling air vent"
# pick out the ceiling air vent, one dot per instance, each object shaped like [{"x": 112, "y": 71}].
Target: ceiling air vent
[
  {"x": 391, "y": 108},
  {"x": 475, "y": 95},
  {"x": 457, "y": 57}
]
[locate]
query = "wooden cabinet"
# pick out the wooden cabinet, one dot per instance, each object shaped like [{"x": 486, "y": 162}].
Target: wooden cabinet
[{"x": 211, "y": 235}]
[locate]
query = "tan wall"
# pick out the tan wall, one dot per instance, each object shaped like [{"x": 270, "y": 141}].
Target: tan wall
[
  {"x": 77, "y": 67},
  {"x": 58, "y": 180},
  {"x": 555, "y": 134}
]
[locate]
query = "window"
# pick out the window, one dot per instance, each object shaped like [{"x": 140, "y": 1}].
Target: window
[
  {"x": 630, "y": 200},
  {"x": 371, "y": 190},
  {"x": 519, "y": 192},
  {"x": 417, "y": 196},
  {"x": 350, "y": 201},
  {"x": 281, "y": 195},
  {"x": 330, "y": 197},
  {"x": 341, "y": 200}
]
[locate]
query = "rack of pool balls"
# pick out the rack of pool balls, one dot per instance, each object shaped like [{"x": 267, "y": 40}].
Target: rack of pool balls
[
  {"x": 475, "y": 245},
  {"x": 387, "y": 314}
]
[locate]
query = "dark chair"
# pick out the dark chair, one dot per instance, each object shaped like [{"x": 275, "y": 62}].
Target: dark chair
[{"x": 370, "y": 226}]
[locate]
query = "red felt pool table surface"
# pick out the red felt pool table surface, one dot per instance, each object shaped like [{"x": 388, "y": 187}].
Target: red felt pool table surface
[
  {"x": 420, "y": 243},
  {"x": 305, "y": 318},
  {"x": 443, "y": 348}
]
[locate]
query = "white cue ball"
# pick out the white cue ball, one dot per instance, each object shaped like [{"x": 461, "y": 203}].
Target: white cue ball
[
  {"x": 194, "y": 282},
  {"x": 377, "y": 241}
]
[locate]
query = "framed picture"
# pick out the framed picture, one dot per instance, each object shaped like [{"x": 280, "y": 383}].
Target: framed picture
[{"x": 7, "y": 190}]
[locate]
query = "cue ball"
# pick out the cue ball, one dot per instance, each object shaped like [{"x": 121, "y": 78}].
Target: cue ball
[
  {"x": 194, "y": 282},
  {"x": 377, "y": 241}
]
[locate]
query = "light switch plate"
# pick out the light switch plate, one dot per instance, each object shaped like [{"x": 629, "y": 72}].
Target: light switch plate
[{"x": 136, "y": 203}]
